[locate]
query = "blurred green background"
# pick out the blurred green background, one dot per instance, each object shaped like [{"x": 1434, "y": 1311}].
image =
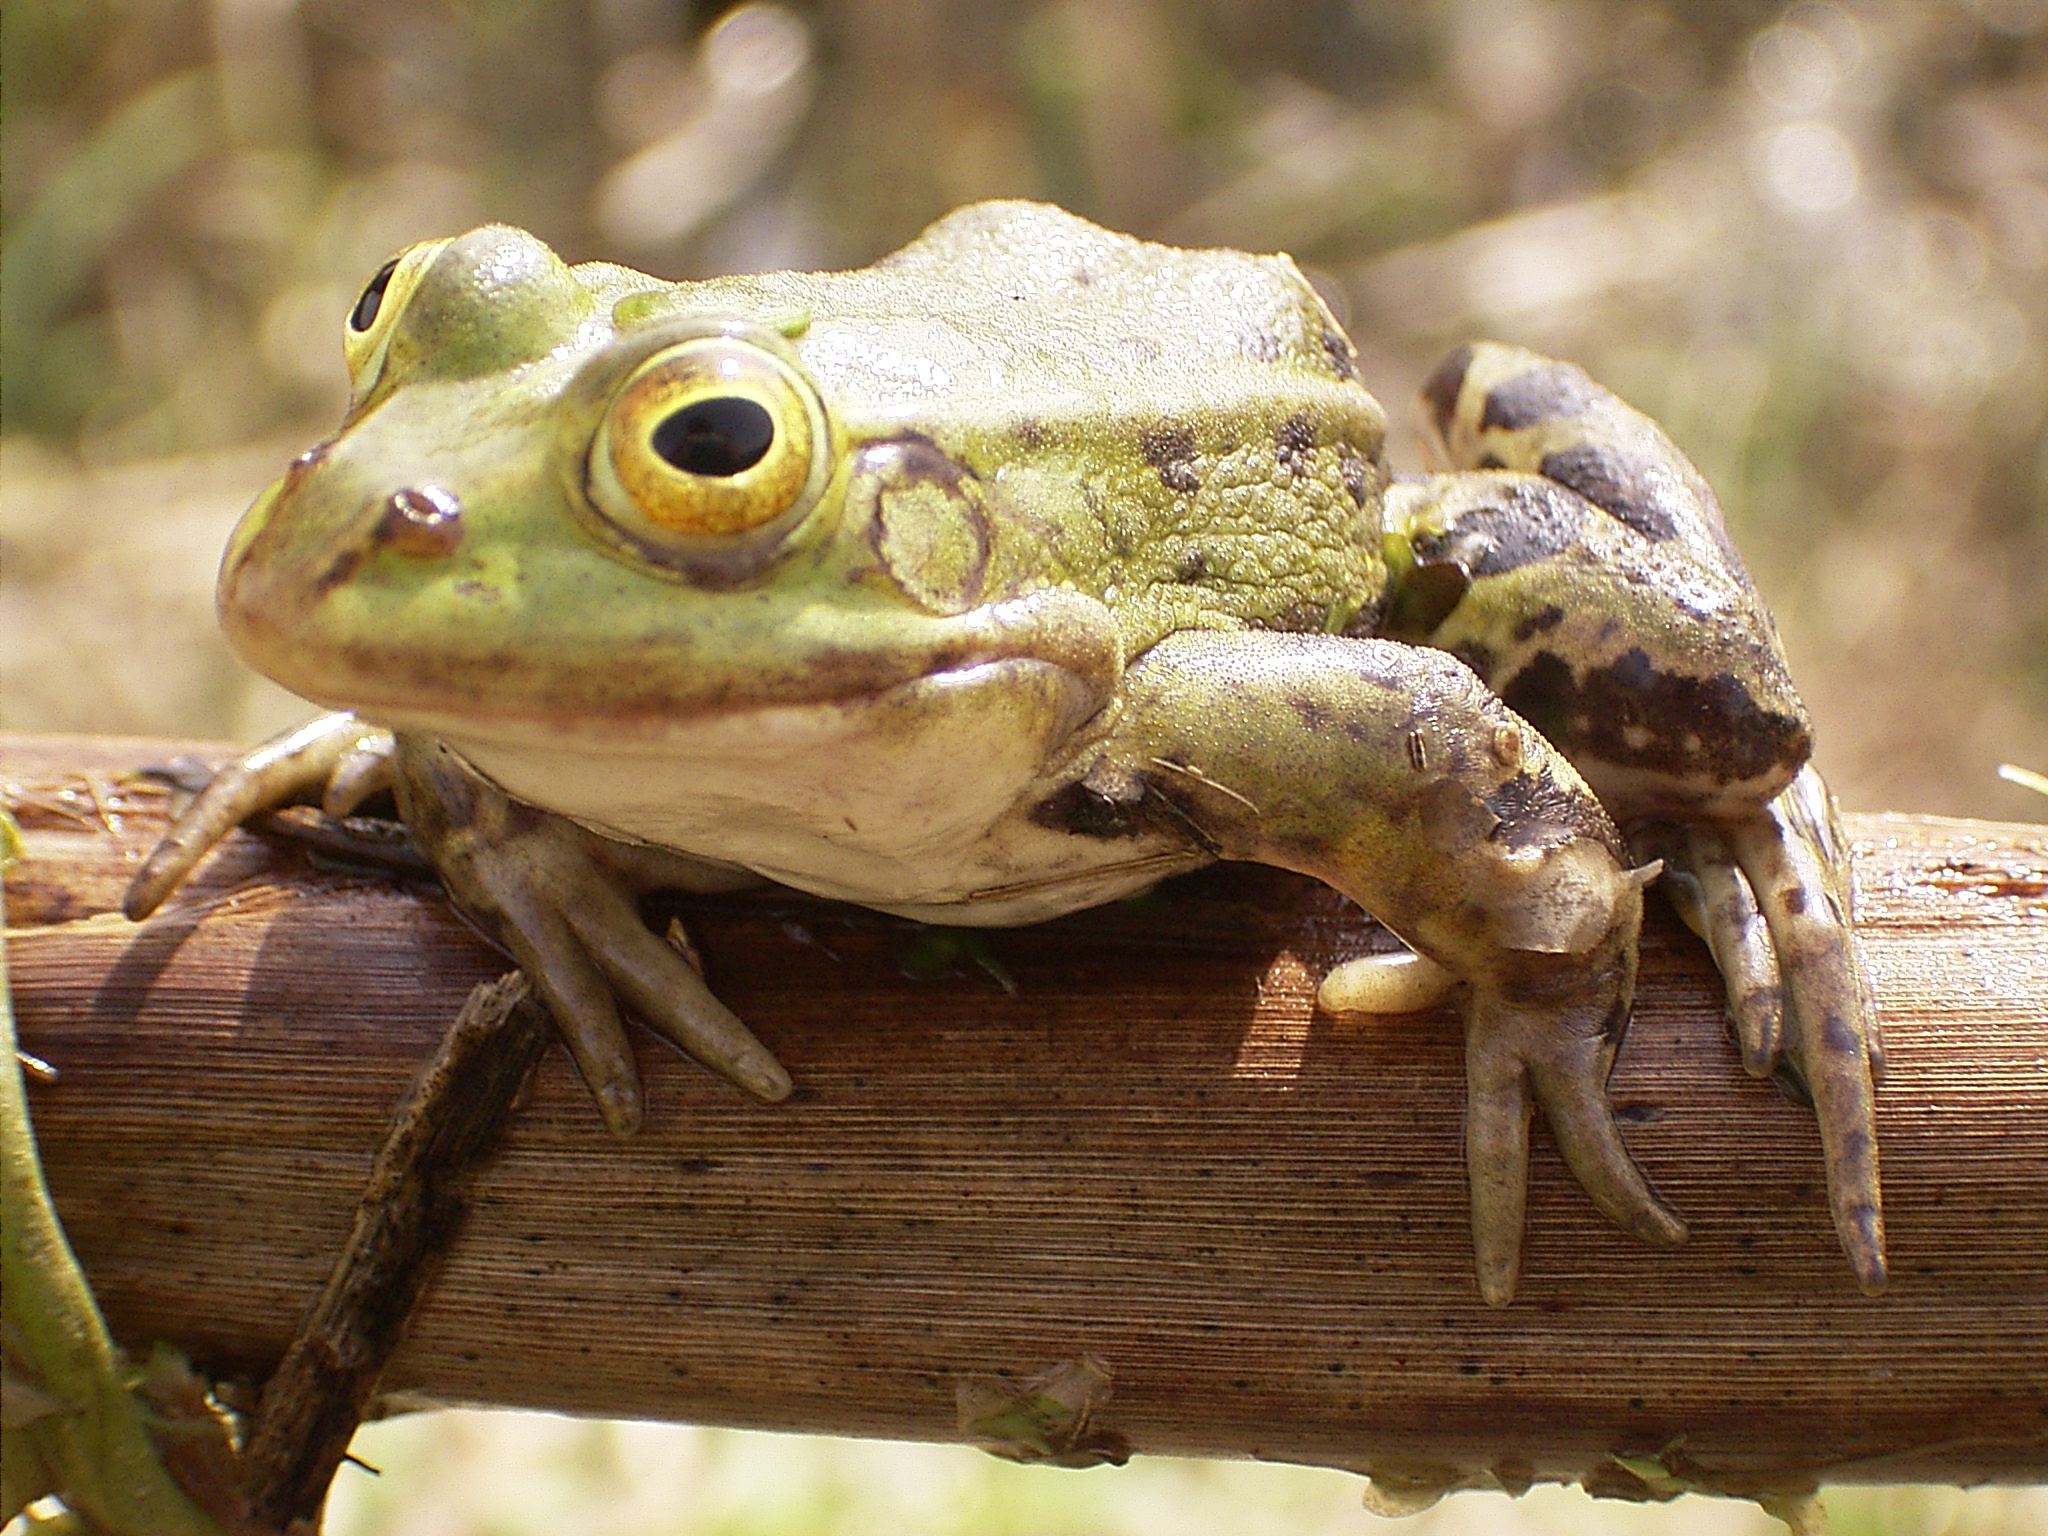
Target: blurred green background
[{"x": 1811, "y": 239}]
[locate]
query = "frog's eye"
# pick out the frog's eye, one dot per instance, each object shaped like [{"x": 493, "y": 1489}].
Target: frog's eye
[
  {"x": 710, "y": 446},
  {"x": 364, "y": 315},
  {"x": 376, "y": 311}
]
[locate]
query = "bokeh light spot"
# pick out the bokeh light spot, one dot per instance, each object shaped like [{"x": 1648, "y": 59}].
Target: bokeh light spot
[{"x": 1809, "y": 167}]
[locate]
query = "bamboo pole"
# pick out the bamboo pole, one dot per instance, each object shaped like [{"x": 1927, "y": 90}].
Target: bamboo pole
[{"x": 1148, "y": 1151}]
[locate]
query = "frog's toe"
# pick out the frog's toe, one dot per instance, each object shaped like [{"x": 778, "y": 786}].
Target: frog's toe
[
  {"x": 1790, "y": 853},
  {"x": 1713, "y": 896},
  {"x": 1496, "y": 1163},
  {"x": 1572, "y": 1090},
  {"x": 362, "y": 771},
  {"x": 285, "y": 768},
  {"x": 580, "y": 1001},
  {"x": 1518, "y": 1057},
  {"x": 666, "y": 992},
  {"x": 1398, "y": 982}
]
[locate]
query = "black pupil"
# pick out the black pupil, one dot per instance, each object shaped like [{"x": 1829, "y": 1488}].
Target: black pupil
[
  {"x": 715, "y": 437},
  {"x": 364, "y": 315}
]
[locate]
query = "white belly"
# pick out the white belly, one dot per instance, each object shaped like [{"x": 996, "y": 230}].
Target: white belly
[{"x": 916, "y": 801}]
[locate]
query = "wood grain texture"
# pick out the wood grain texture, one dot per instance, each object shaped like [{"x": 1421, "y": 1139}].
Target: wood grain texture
[{"x": 1154, "y": 1152}]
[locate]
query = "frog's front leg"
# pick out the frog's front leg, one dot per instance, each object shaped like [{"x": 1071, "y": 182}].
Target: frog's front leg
[
  {"x": 337, "y": 759},
  {"x": 560, "y": 899},
  {"x": 1579, "y": 564},
  {"x": 1391, "y": 772},
  {"x": 555, "y": 896}
]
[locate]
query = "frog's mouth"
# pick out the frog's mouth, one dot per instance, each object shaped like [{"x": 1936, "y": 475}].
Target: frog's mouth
[{"x": 506, "y": 662}]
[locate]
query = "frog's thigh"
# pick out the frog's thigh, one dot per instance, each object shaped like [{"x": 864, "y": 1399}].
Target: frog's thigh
[
  {"x": 1578, "y": 563},
  {"x": 1394, "y": 775}
]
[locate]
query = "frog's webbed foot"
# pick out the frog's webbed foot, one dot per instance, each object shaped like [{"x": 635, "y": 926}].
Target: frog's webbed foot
[
  {"x": 1554, "y": 1054},
  {"x": 337, "y": 758},
  {"x": 1770, "y": 893},
  {"x": 561, "y": 901}
]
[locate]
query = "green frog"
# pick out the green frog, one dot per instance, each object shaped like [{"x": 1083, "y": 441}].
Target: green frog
[{"x": 1005, "y": 577}]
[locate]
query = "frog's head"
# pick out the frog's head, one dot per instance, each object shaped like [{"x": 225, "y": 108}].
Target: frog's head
[{"x": 577, "y": 501}]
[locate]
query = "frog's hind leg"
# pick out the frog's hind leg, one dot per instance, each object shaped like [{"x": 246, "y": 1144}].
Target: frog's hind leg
[{"x": 1574, "y": 558}]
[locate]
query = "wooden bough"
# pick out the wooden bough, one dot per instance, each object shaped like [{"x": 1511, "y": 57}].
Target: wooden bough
[{"x": 1138, "y": 1144}]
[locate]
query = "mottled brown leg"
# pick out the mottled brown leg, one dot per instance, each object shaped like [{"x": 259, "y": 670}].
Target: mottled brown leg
[
  {"x": 1578, "y": 562},
  {"x": 1827, "y": 1035}
]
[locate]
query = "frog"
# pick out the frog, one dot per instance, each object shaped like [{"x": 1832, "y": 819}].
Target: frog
[{"x": 1010, "y": 575}]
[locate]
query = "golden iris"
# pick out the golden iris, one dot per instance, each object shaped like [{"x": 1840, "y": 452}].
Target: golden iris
[{"x": 709, "y": 439}]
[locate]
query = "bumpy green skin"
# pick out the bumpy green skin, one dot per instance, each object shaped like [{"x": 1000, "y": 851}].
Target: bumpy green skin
[{"x": 1097, "y": 573}]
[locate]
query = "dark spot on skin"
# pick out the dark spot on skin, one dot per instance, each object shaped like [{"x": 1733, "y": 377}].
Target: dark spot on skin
[
  {"x": 1795, "y": 900},
  {"x": 1105, "y": 803},
  {"x": 1628, "y": 490},
  {"x": 1530, "y": 521},
  {"x": 1083, "y": 278},
  {"x": 1837, "y": 1038},
  {"x": 1337, "y": 347},
  {"x": 1171, "y": 451},
  {"x": 1591, "y": 714},
  {"x": 1351, "y": 464},
  {"x": 344, "y": 565},
  {"x": 1542, "y": 620},
  {"x": 476, "y": 591},
  {"x": 1031, "y": 432},
  {"x": 1425, "y": 598},
  {"x": 1441, "y": 389},
  {"x": 1476, "y": 656},
  {"x": 1311, "y": 711},
  {"x": 1537, "y": 811},
  {"x": 1295, "y": 443},
  {"x": 1541, "y": 394},
  {"x": 1490, "y": 461},
  {"x": 1192, "y": 566}
]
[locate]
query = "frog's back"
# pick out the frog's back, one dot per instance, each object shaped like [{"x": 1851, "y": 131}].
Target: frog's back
[{"x": 1179, "y": 431}]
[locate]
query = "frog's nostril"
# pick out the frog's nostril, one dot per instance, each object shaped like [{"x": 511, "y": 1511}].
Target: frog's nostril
[
  {"x": 421, "y": 520},
  {"x": 305, "y": 464}
]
